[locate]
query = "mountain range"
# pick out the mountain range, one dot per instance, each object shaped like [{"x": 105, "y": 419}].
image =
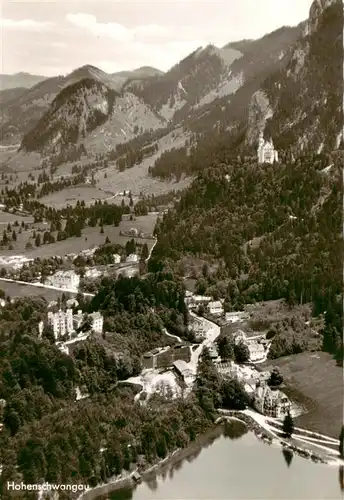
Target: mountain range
[
  {"x": 24, "y": 80},
  {"x": 276, "y": 84}
]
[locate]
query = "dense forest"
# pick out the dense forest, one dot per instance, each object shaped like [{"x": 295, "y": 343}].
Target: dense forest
[{"x": 267, "y": 231}]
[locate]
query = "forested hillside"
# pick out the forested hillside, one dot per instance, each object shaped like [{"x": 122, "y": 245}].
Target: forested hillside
[
  {"x": 49, "y": 436},
  {"x": 275, "y": 231}
]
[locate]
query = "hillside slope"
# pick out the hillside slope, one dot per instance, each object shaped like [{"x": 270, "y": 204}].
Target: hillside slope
[
  {"x": 302, "y": 103},
  {"x": 293, "y": 213},
  {"x": 80, "y": 109},
  {"x": 77, "y": 110}
]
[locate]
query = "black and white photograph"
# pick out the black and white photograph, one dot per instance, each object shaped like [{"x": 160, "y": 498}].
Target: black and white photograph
[{"x": 171, "y": 250}]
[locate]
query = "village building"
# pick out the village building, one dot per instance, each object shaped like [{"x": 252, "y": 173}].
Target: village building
[
  {"x": 133, "y": 257},
  {"x": 97, "y": 322},
  {"x": 197, "y": 326},
  {"x": 234, "y": 317},
  {"x": 196, "y": 300},
  {"x": 164, "y": 357},
  {"x": 257, "y": 351},
  {"x": 213, "y": 351},
  {"x": 272, "y": 403},
  {"x": 116, "y": 258},
  {"x": 61, "y": 323},
  {"x": 89, "y": 252},
  {"x": 64, "y": 279},
  {"x": 183, "y": 371},
  {"x": 266, "y": 151},
  {"x": 215, "y": 307},
  {"x": 64, "y": 323},
  {"x": 92, "y": 273}
]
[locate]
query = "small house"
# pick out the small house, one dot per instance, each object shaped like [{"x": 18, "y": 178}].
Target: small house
[
  {"x": 132, "y": 257},
  {"x": 215, "y": 307}
]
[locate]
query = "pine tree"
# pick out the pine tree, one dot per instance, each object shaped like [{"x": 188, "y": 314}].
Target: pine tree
[
  {"x": 38, "y": 240},
  {"x": 4, "y": 238},
  {"x": 341, "y": 443},
  {"x": 288, "y": 425}
]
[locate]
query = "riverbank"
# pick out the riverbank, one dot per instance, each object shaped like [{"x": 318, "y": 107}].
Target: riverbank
[{"x": 127, "y": 480}]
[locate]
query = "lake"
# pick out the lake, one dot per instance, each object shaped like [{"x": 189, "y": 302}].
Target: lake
[{"x": 239, "y": 468}]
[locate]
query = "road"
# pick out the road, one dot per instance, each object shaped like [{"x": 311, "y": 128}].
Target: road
[
  {"x": 212, "y": 332},
  {"x": 151, "y": 250},
  {"x": 41, "y": 285}
]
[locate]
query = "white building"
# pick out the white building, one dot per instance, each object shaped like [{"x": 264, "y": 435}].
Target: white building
[
  {"x": 64, "y": 279},
  {"x": 215, "y": 307},
  {"x": 196, "y": 300},
  {"x": 96, "y": 318},
  {"x": 61, "y": 323},
  {"x": 236, "y": 316},
  {"x": 272, "y": 403},
  {"x": 97, "y": 322},
  {"x": 256, "y": 350},
  {"x": 116, "y": 258},
  {"x": 132, "y": 257},
  {"x": 92, "y": 273},
  {"x": 78, "y": 319},
  {"x": 266, "y": 151}
]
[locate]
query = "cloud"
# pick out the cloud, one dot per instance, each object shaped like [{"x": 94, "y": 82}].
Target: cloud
[
  {"x": 150, "y": 33},
  {"x": 115, "y": 31},
  {"x": 24, "y": 24}
]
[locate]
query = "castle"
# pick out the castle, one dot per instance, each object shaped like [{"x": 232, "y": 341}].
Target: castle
[{"x": 266, "y": 151}]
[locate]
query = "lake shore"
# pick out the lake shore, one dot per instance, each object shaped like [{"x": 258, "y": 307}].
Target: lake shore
[
  {"x": 272, "y": 435},
  {"x": 127, "y": 480}
]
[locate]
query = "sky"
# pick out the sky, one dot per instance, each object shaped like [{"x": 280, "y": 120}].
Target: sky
[{"x": 53, "y": 37}]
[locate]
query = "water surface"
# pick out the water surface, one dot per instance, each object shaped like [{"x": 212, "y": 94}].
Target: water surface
[{"x": 240, "y": 468}]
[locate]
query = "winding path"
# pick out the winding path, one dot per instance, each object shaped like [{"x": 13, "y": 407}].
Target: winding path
[
  {"x": 264, "y": 423},
  {"x": 151, "y": 250}
]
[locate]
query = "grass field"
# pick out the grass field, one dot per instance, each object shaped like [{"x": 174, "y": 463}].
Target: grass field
[
  {"x": 316, "y": 382},
  {"x": 70, "y": 196},
  {"x": 16, "y": 290},
  {"x": 75, "y": 245},
  {"x": 6, "y": 218},
  {"x": 137, "y": 178}
]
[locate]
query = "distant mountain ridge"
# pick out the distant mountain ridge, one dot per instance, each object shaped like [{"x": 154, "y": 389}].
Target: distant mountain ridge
[
  {"x": 142, "y": 72},
  {"x": 201, "y": 80},
  {"x": 213, "y": 91},
  {"x": 21, "y": 79}
]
